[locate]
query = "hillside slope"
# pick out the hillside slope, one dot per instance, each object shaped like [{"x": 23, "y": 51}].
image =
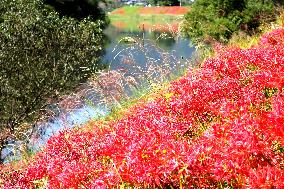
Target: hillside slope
[{"x": 219, "y": 126}]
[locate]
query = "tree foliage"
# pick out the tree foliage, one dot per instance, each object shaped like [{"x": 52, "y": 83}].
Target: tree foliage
[
  {"x": 42, "y": 55},
  {"x": 219, "y": 19}
]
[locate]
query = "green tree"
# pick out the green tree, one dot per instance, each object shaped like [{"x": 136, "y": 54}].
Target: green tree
[
  {"x": 42, "y": 55},
  {"x": 219, "y": 19}
]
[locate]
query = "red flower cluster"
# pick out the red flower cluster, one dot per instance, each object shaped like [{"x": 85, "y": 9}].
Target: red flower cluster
[
  {"x": 169, "y": 10},
  {"x": 120, "y": 11},
  {"x": 221, "y": 125}
]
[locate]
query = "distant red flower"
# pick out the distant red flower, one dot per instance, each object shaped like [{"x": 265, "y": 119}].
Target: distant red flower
[{"x": 171, "y": 10}]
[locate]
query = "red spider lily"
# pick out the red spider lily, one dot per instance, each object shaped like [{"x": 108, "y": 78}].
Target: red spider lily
[{"x": 221, "y": 125}]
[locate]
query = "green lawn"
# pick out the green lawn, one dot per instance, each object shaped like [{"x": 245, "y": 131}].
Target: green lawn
[{"x": 131, "y": 19}]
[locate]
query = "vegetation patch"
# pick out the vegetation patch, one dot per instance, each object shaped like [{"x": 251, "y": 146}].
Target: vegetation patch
[
  {"x": 154, "y": 18},
  {"x": 165, "y": 10},
  {"x": 217, "y": 20},
  {"x": 206, "y": 130},
  {"x": 42, "y": 56},
  {"x": 169, "y": 10}
]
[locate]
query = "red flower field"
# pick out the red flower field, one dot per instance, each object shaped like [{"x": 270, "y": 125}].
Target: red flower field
[
  {"x": 119, "y": 24},
  {"x": 171, "y": 10},
  {"x": 118, "y": 11},
  {"x": 219, "y": 126}
]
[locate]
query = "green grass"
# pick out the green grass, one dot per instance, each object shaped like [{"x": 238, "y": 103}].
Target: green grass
[
  {"x": 135, "y": 16},
  {"x": 144, "y": 17},
  {"x": 132, "y": 23},
  {"x": 131, "y": 10},
  {"x": 132, "y": 19}
]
